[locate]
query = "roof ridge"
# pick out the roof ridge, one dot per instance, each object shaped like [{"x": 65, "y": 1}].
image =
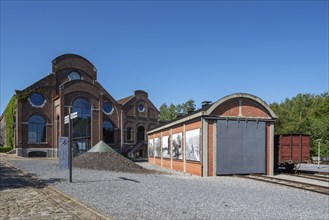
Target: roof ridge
[{"x": 125, "y": 100}]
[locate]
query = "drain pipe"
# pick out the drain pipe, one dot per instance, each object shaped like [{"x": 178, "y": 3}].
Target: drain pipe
[{"x": 121, "y": 125}]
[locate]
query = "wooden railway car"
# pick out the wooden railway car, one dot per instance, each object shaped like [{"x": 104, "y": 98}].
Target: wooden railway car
[{"x": 291, "y": 149}]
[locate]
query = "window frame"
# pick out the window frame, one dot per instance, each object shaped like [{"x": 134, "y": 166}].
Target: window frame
[
  {"x": 32, "y": 126},
  {"x": 141, "y": 104},
  {"x": 112, "y": 108},
  {"x": 113, "y": 132},
  {"x": 36, "y": 104},
  {"x": 69, "y": 76}
]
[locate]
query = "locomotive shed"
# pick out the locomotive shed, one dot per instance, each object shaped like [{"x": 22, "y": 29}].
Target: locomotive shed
[{"x": 234, "y": 135}]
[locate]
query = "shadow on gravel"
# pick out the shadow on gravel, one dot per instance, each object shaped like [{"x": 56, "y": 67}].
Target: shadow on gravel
[
  {"x": 11, "y": 178},
  {"x": 127, "y": 179},
  {"x": 114, "y": 180},
  {"x": 51, "y": 180}
]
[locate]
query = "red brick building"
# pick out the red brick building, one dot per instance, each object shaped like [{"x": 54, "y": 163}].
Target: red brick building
[
  {"x": 234, "y": 135},
  {"x": 73, "y": 86}
]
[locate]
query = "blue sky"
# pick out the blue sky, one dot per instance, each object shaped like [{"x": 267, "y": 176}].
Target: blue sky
[{"x": 174, "y": 50}]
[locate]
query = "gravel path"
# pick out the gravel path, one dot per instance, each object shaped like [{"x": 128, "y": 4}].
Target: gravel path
[{"x": 154, "y": 196}]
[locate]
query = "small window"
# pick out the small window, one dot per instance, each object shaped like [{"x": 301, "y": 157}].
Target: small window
[
  {"x": 107, "y": 108},
  {"x": 36, "y": 99},
  {"x": 74, "y": 75},
  {"x": 141, "y": 108}
]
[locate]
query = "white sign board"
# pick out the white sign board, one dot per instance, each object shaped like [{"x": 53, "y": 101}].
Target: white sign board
[
  {"x": 63, "y": 152},
  {"x": 73, "y": 115},
  {"x": 66, "y": 119}
]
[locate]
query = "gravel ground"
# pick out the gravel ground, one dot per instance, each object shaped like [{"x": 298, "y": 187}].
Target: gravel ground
[{"x": 154, "y": 196}]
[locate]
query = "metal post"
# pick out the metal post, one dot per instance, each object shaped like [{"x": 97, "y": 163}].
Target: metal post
[
  {"x": 319, "y": 144},
  {"x": 70, "y": 145}
]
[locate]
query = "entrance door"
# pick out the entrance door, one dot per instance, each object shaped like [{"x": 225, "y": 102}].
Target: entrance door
[{"x": 240, "y": 147}]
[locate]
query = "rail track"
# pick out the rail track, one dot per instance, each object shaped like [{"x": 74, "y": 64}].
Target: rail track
[
  {"x": 313, "y": 172},
  {"x": 290, "y": 183},
  {"x": 319, "y": 177}
]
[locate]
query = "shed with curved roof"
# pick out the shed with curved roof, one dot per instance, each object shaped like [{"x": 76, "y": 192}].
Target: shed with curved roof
[{"x": 234, "y": 135}]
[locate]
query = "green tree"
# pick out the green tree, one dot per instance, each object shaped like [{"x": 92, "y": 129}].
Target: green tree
[
  {"x": 171, "y": 112},
  {"x": 308, "y": 114}
]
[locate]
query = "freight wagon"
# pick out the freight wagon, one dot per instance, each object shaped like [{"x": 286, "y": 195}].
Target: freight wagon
[{"x": 291, "y": 149}]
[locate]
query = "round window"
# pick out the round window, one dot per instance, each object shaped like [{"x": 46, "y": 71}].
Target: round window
[
  {"x": 37, "y": 99},
  {"x": 74, "y": 75},
  {"x": 141, "y": 108},
  {"x": 107, "y": 107}
]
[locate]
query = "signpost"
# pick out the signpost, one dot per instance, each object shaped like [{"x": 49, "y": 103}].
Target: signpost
[
  {"x": 63, "y": 151},
  {"x": 319, "y": 145},
  {"x": 67, "y": 120}
]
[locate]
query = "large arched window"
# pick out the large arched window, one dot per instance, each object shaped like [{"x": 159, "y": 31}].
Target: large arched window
[
  {"x": 36, "y": 129},
  {"x": 81, "y": 125},
  {"x": 108, "y": 132},
  {"x": 82, "y": 106}
]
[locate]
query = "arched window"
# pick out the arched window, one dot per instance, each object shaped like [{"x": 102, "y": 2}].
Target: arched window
[
  {"x": 129, "y": 132},
  {"x": 141, "y": 134},
  {"x": 108, "y": 132},
  {"x": 81, "y": 125},
  {"x": 36, "y": 129},
  {"x": 82, "y": 106}
]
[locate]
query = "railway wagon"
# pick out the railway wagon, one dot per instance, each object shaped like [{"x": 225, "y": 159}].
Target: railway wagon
[{"x": 291, "y": 149}]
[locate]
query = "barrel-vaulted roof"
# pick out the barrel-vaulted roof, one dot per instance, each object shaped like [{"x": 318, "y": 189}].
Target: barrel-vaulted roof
[
  {"x": 69, "y": 55},
  {"x": 207, "y": 110},
  {"x": 242, "y": 95}
]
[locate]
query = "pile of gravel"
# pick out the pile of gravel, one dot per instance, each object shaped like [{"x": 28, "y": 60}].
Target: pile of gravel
[{"x": 103, "y": 157}]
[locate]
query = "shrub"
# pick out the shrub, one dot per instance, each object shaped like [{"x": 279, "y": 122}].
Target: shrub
[{"x": 5, "y": 149}]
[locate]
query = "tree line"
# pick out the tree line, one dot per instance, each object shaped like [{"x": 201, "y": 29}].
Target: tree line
[
  {"x": 172, "y": 111},
  {"x": 305, "y": 114}
]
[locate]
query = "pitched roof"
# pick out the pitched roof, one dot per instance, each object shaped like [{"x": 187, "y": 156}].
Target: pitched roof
[{"x": 125, "y": 100}]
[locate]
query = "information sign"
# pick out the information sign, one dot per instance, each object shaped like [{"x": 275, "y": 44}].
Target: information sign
[{"x": 63, "y": 152}]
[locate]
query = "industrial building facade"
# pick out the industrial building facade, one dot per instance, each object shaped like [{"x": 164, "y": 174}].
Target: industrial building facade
[
  {"x": 234, "y": 135},
  {"x": 73, "y": 87}
]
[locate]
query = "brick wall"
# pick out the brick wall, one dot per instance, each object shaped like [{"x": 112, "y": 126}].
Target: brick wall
[
  {"x": 73, "y": 61},
  {"x": 210, "y": 148},
  {"x": 240, "y": 107},
  {"x": 253, "y": 110},
  {"x": 228, "y": 108},
  {"x": 193, "y": 168},
  {"x": 178, "y": 164}
]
